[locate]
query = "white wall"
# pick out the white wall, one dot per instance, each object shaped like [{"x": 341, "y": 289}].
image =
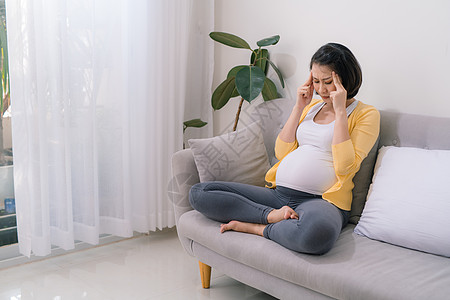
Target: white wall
[{"x": 402, "y": 46}]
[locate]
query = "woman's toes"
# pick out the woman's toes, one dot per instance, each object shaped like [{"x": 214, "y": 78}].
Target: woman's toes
[
  {"x": 228, "y": 226},
  {"x": 293, "y": 214},
  {"x": 289, "y": 213},
  {"x": 223, "y": 228}
]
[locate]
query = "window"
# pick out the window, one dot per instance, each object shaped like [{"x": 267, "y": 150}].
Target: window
[{"x": 8, "y": 228}]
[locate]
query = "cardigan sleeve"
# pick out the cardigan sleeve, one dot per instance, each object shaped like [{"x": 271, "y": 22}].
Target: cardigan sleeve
[
  {"x": 283, "y": 148},
  {"x": 348, "y": 155}
]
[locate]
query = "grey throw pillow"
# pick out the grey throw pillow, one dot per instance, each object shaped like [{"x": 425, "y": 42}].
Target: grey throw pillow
[
  {"x": 238, "y": 156},
  {"x": 362, "y": 182}
]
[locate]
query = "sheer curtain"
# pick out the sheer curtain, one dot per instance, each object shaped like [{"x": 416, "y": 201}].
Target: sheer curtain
[{"x": 98, "y": 91}]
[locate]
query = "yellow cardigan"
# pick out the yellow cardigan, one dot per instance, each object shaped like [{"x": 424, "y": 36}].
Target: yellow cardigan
[{"x": 364, "y": 127}]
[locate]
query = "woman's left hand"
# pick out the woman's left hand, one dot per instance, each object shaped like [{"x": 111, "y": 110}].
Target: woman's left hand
[{"x": 339, "y": 96}]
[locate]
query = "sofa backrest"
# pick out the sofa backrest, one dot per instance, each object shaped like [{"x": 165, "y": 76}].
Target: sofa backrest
[{"x": 407, "y": 130}]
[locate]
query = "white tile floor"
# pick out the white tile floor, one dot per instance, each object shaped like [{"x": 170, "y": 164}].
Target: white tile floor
[{"x": 145, "y": 267}]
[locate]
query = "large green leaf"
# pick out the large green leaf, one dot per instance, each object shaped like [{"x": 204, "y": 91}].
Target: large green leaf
[
  {"x": 229, "y": 40},
  {"x": 250, "y": 82},
  {"x": 268, "y": 41},
  {"x": 269, "y": 91},
  {"x": 278, "y": 73},
  {"x": 261, "y": 59},
  {"x": 232, "y": 73},
  {"x": 223, "y": 93}
]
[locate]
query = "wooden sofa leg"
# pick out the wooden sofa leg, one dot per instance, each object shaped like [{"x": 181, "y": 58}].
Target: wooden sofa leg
[{"x": 205, "y": 275}]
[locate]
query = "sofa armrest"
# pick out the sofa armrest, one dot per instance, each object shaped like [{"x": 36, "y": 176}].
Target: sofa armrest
[{"x": 185, "y": 175}]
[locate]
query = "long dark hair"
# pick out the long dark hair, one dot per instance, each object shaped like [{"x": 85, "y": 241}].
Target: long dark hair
[{"x": 342, "y": 61}]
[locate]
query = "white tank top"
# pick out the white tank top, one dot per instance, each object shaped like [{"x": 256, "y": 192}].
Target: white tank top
[{"x": 309, "y": 168}]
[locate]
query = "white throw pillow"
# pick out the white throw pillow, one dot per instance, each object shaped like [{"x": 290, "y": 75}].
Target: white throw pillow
[
  {"x": 238, "y": 156},
  {"x": 409, "y": 200}
]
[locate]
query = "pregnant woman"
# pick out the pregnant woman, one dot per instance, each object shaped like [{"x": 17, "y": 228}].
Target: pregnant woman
[{"x": 308, "y": 196}]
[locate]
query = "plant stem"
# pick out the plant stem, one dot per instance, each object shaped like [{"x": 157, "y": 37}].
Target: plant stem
[{"x": 236, "y": 120}]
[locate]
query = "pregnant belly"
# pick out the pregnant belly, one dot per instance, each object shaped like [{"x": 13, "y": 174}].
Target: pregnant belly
[{"x": 307, "y": 169}]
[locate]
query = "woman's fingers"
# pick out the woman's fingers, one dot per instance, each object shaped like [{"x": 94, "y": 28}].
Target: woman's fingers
[
  {"x": 337, "y": 81},
  {"x": 310, "y": 83},
  {"x": 304, "y": 91},
  {"x": 307, "y": 88},
  {"x": 310, "y": 79},
  {"x": 339, "y": 96}
]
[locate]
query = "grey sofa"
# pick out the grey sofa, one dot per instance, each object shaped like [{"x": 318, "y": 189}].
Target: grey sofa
[{"x": 356, "y": 268}]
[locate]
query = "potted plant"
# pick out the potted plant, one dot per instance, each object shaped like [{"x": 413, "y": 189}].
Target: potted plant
[{"x": 247, "y": 81}]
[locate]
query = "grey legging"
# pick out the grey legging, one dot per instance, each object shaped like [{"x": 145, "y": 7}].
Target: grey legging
[{"x": 315, "y": 232}]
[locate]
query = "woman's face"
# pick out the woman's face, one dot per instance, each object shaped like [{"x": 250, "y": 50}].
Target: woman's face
[{"x": 323, "y": 81}]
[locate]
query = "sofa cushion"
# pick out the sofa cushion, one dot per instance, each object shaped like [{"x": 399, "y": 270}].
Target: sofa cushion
[
  {"x": 362, "y": 181},
  {"x": 355, "y": 268},
  {"x": 408, "y": 201},
  {"x": 238, "y": 156}
]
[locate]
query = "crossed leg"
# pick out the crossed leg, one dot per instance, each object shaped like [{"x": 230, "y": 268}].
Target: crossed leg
[{"x": 313, "y": 229}]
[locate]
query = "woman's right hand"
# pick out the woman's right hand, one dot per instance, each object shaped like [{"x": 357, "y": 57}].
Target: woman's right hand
[
  {"x": 304, "y": 97},
  {"x": 305, "y": 92}
]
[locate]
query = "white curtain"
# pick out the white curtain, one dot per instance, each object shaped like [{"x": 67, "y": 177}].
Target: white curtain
[{"x": 98, "y": 90}]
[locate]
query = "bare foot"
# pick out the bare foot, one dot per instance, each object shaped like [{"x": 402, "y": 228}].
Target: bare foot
[
  {"x": 281, "y": 214},
  {"x": 243, "y": 227}
]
